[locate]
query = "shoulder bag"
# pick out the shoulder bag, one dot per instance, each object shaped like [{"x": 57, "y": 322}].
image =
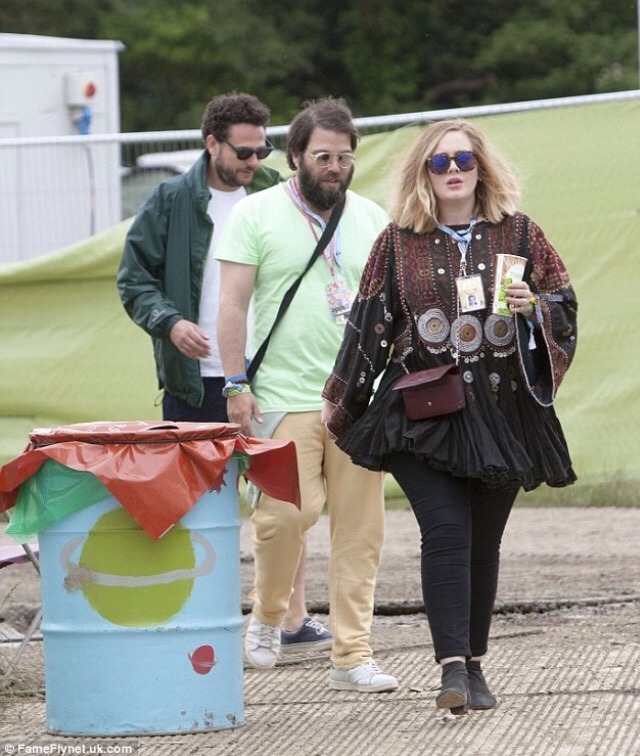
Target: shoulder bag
[{"x": 433, "y": 391}]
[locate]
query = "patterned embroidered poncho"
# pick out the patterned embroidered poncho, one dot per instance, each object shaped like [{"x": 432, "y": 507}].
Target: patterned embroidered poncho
[{"x": 406, "y": 318}]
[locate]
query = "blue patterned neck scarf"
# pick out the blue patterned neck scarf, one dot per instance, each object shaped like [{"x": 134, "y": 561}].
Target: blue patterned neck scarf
[{"x": 462, "y": 239}]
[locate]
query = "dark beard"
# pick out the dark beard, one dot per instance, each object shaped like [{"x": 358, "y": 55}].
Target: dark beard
[
  {"x": 227, "y": 176},
  {"x": 315, "y": 195}
]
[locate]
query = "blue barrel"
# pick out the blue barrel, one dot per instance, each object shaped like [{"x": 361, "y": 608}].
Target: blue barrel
[{"x": 143, "y": 636}]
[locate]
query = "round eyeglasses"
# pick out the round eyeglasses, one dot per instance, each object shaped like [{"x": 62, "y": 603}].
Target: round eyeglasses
[{"x": 324, "y": 159}]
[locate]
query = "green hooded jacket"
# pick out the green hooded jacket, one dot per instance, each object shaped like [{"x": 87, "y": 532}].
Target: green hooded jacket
[{"x": 160, "y": 273}]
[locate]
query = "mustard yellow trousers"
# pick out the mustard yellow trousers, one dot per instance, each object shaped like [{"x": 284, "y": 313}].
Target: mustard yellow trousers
[{"x": 355, "y": 505}]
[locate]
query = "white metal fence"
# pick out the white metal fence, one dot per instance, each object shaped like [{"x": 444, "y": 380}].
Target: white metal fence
[{"x": 55, "y": 191}]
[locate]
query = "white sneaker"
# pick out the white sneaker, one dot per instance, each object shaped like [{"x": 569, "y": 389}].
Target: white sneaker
[
  {"x": 261, "y": 644},
  {"x": 366, "y": 678}
]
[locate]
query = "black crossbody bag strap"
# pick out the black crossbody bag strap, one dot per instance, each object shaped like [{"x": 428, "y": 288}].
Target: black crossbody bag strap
[{"x": 328, "y": 232}]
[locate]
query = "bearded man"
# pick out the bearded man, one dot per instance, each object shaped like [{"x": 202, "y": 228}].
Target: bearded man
[{"x": 266, "y": 243}]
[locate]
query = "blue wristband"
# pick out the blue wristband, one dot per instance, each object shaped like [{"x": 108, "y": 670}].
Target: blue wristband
[{"x": 237, "y": 378}]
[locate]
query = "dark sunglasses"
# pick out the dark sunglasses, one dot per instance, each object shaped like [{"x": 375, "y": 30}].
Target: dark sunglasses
[
  {"x": 244, "y": 153},
  {"x": 464, "y": 159}
]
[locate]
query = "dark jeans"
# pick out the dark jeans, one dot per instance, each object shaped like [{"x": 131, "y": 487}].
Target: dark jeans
[
  {"x": 213, "y": 410},
  {"x": 461, "y": 525}
]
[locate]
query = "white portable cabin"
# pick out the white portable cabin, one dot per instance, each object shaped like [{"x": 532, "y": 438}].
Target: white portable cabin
[{"x": 59, "y": 182}]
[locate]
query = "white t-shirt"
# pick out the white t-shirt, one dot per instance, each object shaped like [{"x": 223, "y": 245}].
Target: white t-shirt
[{"x": 219, "y": 207}]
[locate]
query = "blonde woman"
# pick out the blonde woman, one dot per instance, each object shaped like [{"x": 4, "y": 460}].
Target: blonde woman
[{"x": 426, "y": 300}]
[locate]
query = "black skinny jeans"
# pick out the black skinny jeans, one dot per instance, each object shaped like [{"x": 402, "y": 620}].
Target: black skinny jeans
[{"x": 461, "y": 525}]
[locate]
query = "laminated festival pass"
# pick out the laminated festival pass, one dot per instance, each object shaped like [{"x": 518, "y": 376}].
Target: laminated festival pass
[{"x": 509, "y": 269}]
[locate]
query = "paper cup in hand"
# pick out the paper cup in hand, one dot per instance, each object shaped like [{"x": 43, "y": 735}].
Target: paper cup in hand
[{"x": 509, "y": 268}]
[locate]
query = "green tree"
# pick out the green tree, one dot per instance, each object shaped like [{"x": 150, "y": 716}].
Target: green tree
[
  {"x": 78, "y": 19},
  {"x": 570, "y": 49},
  {"x": 178, "y": 55},
  {"x": 383, "y": 56}
]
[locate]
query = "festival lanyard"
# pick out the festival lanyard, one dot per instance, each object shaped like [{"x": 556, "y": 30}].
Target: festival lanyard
[
  {"x": 462, "y": 239},
  {"x": 333, "y": 252}
]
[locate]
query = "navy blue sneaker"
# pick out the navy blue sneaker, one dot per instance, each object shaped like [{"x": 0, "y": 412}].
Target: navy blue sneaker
[{"x": 312, "y": 636}]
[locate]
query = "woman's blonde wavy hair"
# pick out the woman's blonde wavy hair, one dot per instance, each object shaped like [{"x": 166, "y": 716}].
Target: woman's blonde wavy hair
[{"x": 414, "y": 204}]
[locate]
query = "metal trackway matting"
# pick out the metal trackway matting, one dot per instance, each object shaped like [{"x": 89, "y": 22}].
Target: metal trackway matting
[{"x": 569, "y": 688}]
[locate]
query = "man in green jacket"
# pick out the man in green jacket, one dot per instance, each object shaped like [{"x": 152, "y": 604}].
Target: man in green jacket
[
  {"x": 168, "y": 278},
  {"x": 168, "y": 282}
]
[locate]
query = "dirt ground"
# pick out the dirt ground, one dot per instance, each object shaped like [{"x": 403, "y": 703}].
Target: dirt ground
[{"x": 552, "y": 559}]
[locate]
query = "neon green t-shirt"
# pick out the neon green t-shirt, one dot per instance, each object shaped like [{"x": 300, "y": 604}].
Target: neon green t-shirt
[{"x": 269, "y": 231}]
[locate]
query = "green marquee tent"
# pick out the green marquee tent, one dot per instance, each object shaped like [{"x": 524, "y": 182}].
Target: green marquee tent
[{"x": 70, "y": 354}]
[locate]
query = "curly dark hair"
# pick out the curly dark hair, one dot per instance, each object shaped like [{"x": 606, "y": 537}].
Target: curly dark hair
[
  {"x": 225, "y": 110},
  {"x": 330, "y": 113}
]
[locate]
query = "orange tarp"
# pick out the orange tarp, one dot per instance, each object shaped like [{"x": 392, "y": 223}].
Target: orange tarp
[{"x": 156, "y": 470}]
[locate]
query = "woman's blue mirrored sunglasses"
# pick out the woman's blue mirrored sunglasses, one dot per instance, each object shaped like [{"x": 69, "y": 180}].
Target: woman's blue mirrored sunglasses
[{"x": 464, "y": 159}]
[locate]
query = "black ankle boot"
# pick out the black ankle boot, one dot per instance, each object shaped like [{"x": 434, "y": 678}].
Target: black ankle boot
[
  {"x": 454, "y": 692},
  {"x": 480, "y": 697}
]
